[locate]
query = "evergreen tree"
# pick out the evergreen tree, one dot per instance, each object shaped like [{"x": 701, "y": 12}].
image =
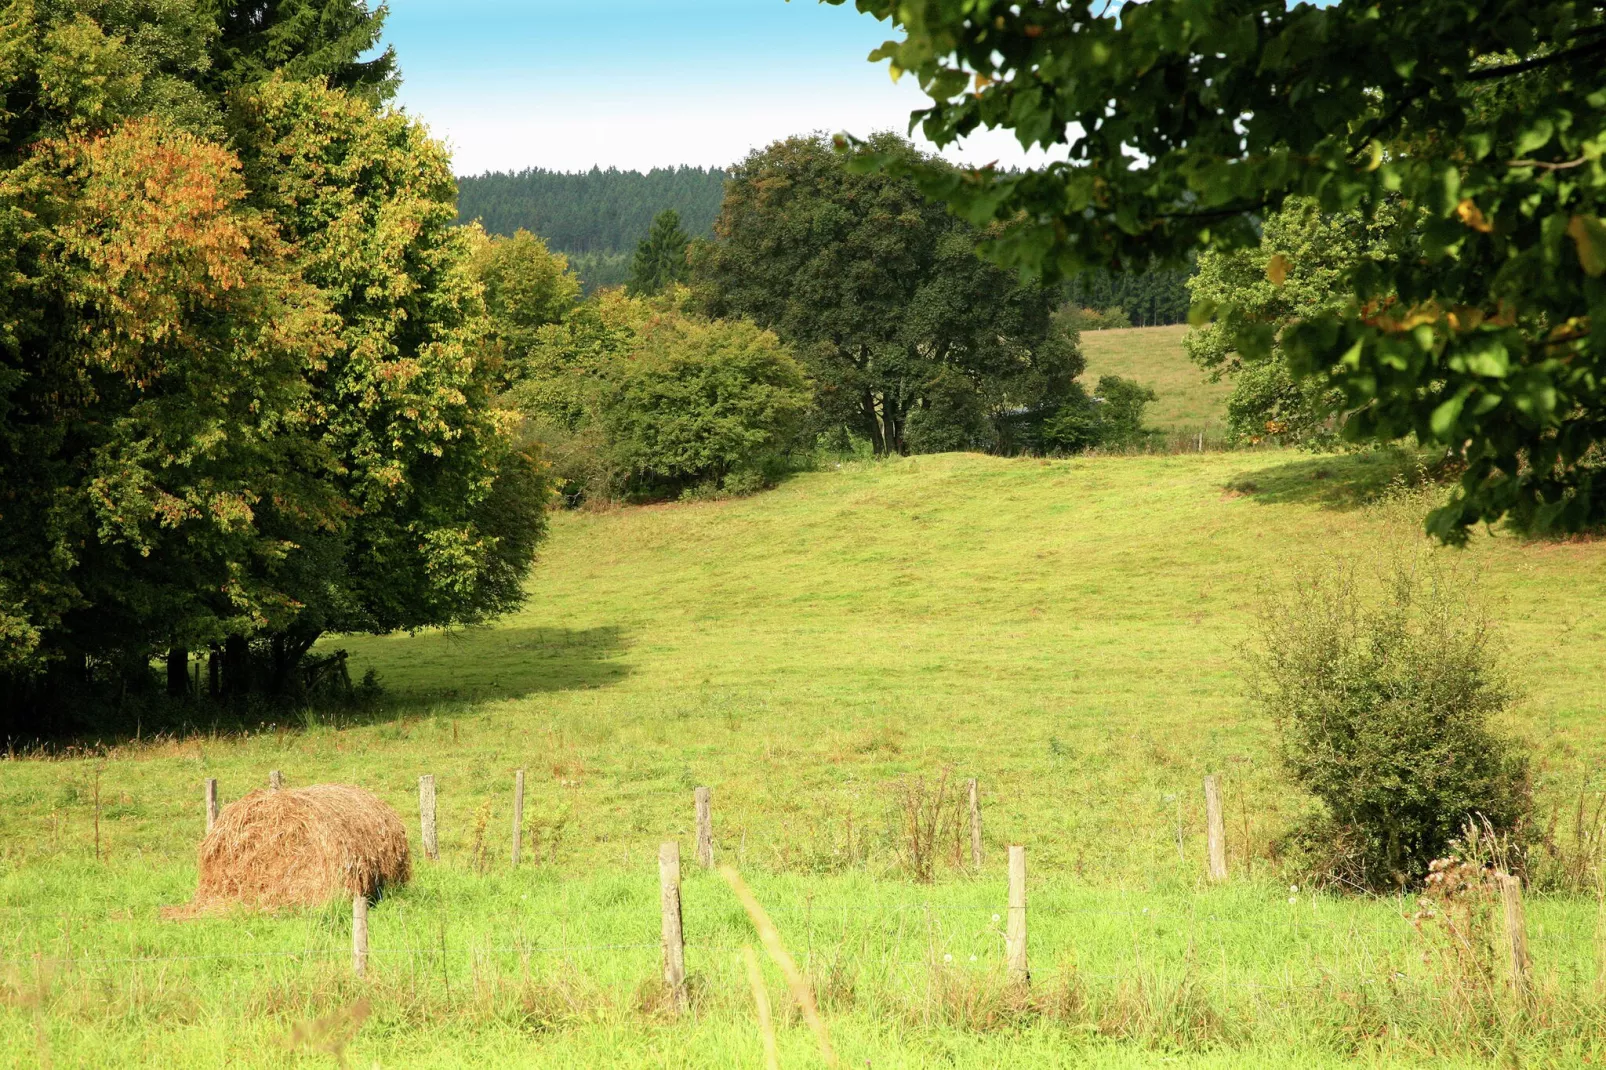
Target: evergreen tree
[
  {"x": 661, "y": 257},
  {"x": 305, "y": 39}
]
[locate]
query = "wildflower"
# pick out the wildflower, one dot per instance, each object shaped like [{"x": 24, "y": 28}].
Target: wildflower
[
  {"x": 947, "y": 958},
  {"x": 1293, "y": 899},
  {"x": 1294, "y": 888},
  {"x": 995, "y": 917},
  {"x": 973, "y": 958}
]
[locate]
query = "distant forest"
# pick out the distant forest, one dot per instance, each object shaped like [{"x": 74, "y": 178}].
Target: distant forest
[{"x": 596, "y": 217}]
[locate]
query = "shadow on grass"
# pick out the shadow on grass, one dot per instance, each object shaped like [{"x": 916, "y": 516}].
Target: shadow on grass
[
  {"x": 1341, "y": 481},
  {"x": 484, "y": 664}
]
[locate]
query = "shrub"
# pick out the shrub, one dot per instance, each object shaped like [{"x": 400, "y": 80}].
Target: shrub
[
  {"x": 1383, "y": 700},
  {"x": 711, "y": 404},
  {"x": 1112, "y": 419}
]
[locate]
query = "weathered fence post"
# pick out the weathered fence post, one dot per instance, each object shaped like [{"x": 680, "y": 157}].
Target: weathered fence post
[
  {"x": 975, "y": 826},
  {"x": 1217, "y": 829},
  {"x": 211, "y": 802},
  {"x": 1516, "y": 931},
  {"x": 426, "y": 816},
  {"x": 275, "y": 780},
  {"x": 518, "y": 815},
  {"x": 1015, "y": 930},
  {"x": 674, "y": 943},
  {"x": 359, "y": 934},
  {"x": 705, "y": 828}
]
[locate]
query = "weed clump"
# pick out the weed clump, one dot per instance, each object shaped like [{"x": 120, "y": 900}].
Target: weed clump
[{"x": 1384, "y": 696}]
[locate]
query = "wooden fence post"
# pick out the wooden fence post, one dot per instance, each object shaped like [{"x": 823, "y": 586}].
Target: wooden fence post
[
  {"x": 359, "y": 934},
  {"x": 275, "y": 780},
  {"x": 426, "y": 816},
  {"x": 975, "y": 825},
  {"x": 705, "y": 828},
  {"x": 518, "y": 815},
  {"x": 1217, "y": 829},
  {"x": 211, "y": 802},
  {"x": 674, "y": 942},
  {"x": 1516, "y": 931},
  {"x": 1015, "y": 931}
]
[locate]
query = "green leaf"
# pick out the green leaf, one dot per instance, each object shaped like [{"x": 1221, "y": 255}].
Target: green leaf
[
  {"x": 1444, "y": 417},
  {"x": 1589, "y": 235}
]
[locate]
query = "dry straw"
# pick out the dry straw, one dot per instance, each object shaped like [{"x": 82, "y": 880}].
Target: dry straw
[
  {"x": 301, "y": 847},
  {"x": 770, "y": 937}
]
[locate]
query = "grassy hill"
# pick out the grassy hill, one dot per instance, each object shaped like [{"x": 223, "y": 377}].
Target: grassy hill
[
  {"x": 1188, "y": 402},
  {"x": 1065, "y": 631}
]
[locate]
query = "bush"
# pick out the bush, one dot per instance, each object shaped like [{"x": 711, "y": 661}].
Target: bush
[
  {"x": 1112, "y": 419},
  {"x": 1383, "y": 701},
  {"x": 631, "y": 398},
  {"x": 705, "y": 404}
]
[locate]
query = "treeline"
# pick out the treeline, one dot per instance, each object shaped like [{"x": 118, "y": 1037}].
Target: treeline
[
  {"x": 1152, "y": 298},
  {"x": 591, "y": 212},
  {"x": 242, "y": 400}
]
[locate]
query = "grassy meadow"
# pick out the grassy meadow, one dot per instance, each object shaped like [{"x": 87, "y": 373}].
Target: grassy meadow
[
  {"x": 823, "y": 655},
  {"x": 1188, "y": 401}
]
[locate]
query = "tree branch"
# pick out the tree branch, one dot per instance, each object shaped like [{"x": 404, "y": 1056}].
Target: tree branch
[{"x": 1489, "y": 74}]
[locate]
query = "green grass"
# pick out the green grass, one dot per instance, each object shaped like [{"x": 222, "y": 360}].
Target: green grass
[
  {"x": 1063, "y": 630},
  {"x": 1188, "y": 401}
]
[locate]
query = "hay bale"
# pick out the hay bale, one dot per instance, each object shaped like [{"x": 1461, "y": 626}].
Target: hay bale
[{"x": 301, "y": 847}]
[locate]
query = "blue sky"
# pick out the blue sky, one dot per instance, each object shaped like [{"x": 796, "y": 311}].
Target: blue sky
[{"x": 567, "y": 84}]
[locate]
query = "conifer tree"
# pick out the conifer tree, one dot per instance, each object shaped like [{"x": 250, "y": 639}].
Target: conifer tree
[
  {"x": 305, "y": 39},
  {"x": 661, "y": 258}
]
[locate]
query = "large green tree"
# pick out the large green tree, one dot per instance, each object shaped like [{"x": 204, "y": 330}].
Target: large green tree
[
  {"x": 1184, "y": 121},
  {"x": 880, "y": 290},
  {"x": 302, "y": 40}
]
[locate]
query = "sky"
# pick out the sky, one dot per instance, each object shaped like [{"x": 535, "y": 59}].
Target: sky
[{"x": 572, "y": 84}]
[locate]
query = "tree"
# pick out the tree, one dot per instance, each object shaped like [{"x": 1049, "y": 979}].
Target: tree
[
  {"x": 1297, "y": 272},
  {"x": 303, "y": 40},
  {"x": 526, "y": 287},
  {"x": 154, "y": 378},
  {"x": 880, "y": 291},
  {"x": 443, "y": 511},
  {"x": 1187, "y": 120},
  {"x": 660, "y": 260}
]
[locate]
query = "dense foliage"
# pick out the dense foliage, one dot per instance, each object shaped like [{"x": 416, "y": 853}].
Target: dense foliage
[
  {"x": 240, "y": 397},
  {"x": 1296, "y": 273},
  {"x": 1186, "y": 120},
  {"x": 914, "y": 342},
  {"x": 1384, "y": 701},
  {"x": 641, "y": 399}
]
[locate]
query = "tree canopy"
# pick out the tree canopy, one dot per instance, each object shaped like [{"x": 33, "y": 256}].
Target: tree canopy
[
  {"x": 241, "y": 393},
  {"x": 880, "y": 291},
  {"x": 1185, "y": 121}
]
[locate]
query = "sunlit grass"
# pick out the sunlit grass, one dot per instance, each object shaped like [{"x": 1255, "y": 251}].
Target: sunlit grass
[{"x": 1065, "y": 631}]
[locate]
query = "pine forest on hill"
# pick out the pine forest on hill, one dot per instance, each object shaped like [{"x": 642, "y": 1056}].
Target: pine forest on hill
[{"x": 595, "y": 217}]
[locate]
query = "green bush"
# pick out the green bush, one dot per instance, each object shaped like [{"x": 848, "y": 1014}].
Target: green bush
[
  {"x": 709, "y": 404},
  {"x": 1383, "y": 698},
  {"x": 1112, "y": 419},
  {"x": 632, "y": 398}
]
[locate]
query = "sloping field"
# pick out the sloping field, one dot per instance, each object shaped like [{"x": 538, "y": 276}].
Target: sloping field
[
  {"x": 1065, "y": 631},
  {"x": 1188, "y": 401}
]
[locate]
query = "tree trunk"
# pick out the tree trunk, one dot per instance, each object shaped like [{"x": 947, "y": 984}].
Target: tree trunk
[
  {"x": 214, "y": 673},
  {"x": 178, "y": 672},
  {"x": 872, "y": 423},
  {"x": 236, "y": 666}
]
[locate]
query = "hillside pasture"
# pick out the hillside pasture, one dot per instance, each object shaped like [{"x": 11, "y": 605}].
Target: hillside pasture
[{"x": 825, "y": 656}]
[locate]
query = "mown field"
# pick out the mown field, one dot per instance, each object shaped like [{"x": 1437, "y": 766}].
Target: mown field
[
  {"x": 1188, "y": 402},
  {"x": 1066, "y": 631}
]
